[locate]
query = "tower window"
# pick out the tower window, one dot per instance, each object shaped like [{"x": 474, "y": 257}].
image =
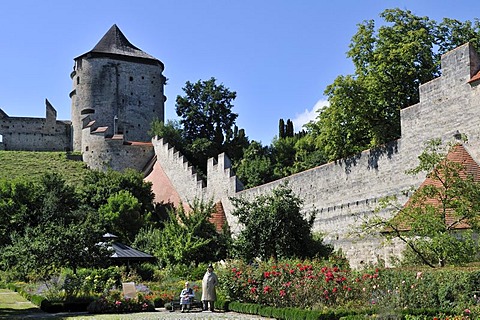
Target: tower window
[
  {"x": 131, "y": 78},
  {"x": 78, "y": 80}
]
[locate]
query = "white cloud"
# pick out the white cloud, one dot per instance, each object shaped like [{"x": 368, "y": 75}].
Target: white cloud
[{"x": 308, "y": 115}]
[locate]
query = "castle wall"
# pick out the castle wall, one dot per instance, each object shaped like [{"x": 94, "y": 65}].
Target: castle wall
[
  {"x": 123, "y": 95},
  {"x": 346, "y": 192},
  {"x": 35, "y": 134},
  {"x": 103, "y": 153},
  {"x": 178, "y": 171}
]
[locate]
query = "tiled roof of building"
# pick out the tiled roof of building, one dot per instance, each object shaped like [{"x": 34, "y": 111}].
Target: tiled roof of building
[
  {"x": 218, "y": 217},
  {"x": 471, "y": 169},
  {"x": 115, "y": 42},
  {"x": 475, "y": 78}
]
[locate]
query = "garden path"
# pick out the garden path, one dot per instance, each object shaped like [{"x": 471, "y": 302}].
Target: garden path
[{"x": 14, "y": 306}]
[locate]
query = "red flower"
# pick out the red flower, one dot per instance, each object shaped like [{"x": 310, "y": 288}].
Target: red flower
[
  {"x": 267, "y": 289},
  {"x": 282, "y": 293},
  {"x": 292, "y": 271},
  {"x": 253, "y": 290},
  {"x": 266, "y": 274}
]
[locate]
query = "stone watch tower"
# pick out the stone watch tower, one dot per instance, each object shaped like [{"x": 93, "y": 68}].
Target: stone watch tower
[{"x": 118, "y": 89}]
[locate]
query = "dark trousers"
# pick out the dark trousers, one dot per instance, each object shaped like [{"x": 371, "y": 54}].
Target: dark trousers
[{"x": 206, "y": 303}]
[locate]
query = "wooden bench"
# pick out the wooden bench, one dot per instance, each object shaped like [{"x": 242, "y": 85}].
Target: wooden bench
[{"x": 175, "y": 304}]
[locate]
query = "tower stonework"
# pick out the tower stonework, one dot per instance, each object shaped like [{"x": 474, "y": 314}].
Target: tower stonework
[{"x": 118, "y": 88}]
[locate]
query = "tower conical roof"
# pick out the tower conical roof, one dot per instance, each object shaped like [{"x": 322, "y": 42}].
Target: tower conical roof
[{"x": 115, "y": 42}]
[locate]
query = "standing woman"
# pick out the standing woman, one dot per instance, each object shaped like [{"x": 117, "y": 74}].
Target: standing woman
[{"x": 209, "y": 294}]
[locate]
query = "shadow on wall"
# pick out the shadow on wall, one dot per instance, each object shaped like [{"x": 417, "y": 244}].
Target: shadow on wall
[{"x": 374, "y": 156}]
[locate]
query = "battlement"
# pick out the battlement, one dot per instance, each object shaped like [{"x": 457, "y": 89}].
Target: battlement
[{"x": 35, "y": 134}]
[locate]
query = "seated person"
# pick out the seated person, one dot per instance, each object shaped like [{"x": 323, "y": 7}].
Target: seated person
[{"x": 186, "y": 297}]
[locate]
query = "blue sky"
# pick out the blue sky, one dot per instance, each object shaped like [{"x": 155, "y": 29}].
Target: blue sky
[{"x": 278, "y": 56}]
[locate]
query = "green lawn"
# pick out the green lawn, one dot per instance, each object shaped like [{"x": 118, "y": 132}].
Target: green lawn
[
  {"x": 31, "y": 165},
  {"x": 13, "y": 305}
]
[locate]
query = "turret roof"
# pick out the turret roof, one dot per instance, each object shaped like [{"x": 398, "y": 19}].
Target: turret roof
[{"x": 115, "y": 42}]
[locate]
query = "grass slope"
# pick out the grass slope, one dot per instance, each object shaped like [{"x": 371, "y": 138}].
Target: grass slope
[{"x": 32, "y": 165}]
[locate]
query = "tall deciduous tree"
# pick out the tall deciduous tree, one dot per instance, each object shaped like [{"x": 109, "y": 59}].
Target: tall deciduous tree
[
  {"x": 206, "y": 116},
  {"x": 390, "y": 61},
  {"x": 274, "y": 227}
]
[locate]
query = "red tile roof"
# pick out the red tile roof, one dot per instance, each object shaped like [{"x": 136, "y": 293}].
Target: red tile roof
[
  {"x": 218, "y": 217},
  {"x": 475, "y": 77},
  {"x": 470, "y": 169}
]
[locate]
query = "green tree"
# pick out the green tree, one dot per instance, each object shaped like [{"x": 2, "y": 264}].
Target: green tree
[
  {"x": 170, "y": 131},
  {"x": 208, "y": 123},
  {"x": 188, "y": 237},
  {"x": 17, "y": 205},
  {"x": 281, "y": 129},
  {"x": 390, "y": 61},
  {"x": 122, "y": 215},
  {"x": 283, "y": 155},
  {"x": 255, "y": 168},
  {"x": 429, "y": 223},
  {"x": 99, "y": 186},
  {"x": 274, "y": 227}
]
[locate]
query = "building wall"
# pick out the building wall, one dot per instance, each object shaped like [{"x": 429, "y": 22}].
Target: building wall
[
  {"x": 345, "y": 193},
  {"x": 35, "y": 134},
  {"x": 102, "y": 153},
  {"x": 121, "y": 94}
]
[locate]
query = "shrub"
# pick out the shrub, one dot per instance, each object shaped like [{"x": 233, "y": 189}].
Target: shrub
[{"x": 114, "y": 302}]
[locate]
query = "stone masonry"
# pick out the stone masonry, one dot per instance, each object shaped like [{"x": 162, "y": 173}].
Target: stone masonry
[
  {"x": 118, "y": 91},
  {"x": 346, "y": 192}
]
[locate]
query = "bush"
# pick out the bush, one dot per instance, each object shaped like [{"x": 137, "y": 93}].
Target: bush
[
  {"x": 318, "y": 285},
  {"x": 114, "y": 302}
]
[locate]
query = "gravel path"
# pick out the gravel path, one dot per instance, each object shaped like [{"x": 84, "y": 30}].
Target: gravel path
[{"x": 159, "y": 314}]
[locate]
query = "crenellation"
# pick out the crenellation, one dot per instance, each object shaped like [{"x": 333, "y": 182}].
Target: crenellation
[{"x": 117, "y": 93}]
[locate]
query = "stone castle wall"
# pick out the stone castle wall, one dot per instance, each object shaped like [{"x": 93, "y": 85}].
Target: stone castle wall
[
  {"x": 120, "y": 94},
  {"x": 180, "y": 181},
  {"x": 35, "y": 134},
  {"x": 103, "y": 153},
  {"x": 347, "y": 191}
]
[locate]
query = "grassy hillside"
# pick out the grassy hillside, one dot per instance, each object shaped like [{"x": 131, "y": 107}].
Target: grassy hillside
[{"x": 31, "y": 165}]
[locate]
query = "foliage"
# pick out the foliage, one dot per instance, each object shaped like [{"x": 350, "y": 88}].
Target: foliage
[
  {"x": 208, "y": 123},
  {"x": 188, "y": 237},
  {"x": 56, "y": 232},
  {"x": 319, "y": 285},
  {"x": 428, "y": 224},
  {"x": 390, "y": 61},
  {"x": 47, "y": 224},
  {"x": 274, "y": 227},
  {"x": 255, "y": 168},
  {"x": 114, "y": 302},
  {"x": 122, "y": 215}
]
